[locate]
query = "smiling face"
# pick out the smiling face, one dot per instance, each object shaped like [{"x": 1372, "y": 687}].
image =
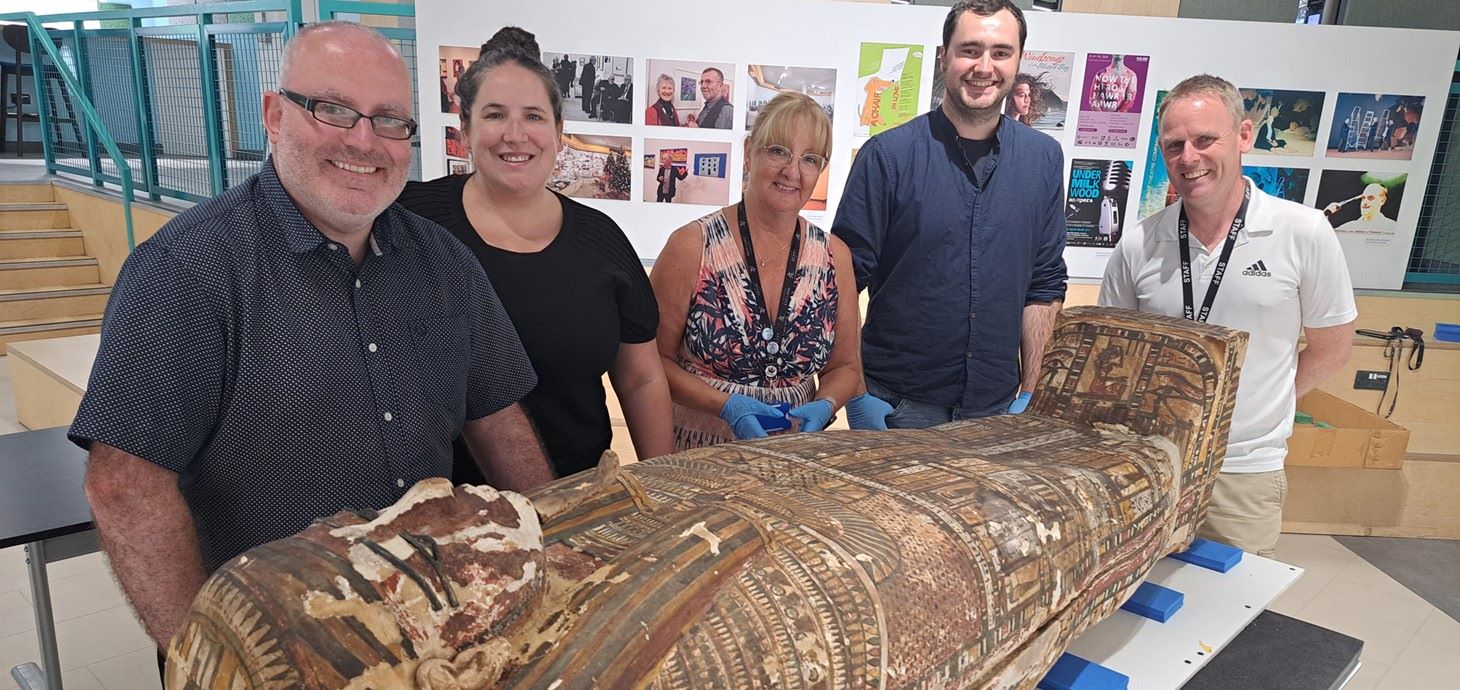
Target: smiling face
[
  {"x": 340, "y": 179},
  {"x": 666, "y": 89},
  {"x": 514, "y": 138},
  {"x": 785, "y": 189},
  {"x": 1203, "y": 148},
  {"x": 980, "y": 62},
  {"x": 1372, "y": 201},
  {"x": 711, "y": 85}
]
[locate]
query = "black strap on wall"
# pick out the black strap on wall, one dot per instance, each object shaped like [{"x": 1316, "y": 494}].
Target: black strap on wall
[{"x": 1394, "y": 352}]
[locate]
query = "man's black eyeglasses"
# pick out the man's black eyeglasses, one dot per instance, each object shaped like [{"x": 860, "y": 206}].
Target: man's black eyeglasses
[{"x": 345, "y": 117}]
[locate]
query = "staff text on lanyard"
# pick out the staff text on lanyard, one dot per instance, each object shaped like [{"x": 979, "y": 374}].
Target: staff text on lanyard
[{"x": 1183, "y": 233}]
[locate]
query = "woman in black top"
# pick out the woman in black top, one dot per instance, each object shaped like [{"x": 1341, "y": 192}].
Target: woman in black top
[{"x": 567, "y": 275}]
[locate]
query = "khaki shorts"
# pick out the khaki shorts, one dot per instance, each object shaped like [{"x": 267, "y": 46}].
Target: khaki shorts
[{"x": 1247, "y": 511}]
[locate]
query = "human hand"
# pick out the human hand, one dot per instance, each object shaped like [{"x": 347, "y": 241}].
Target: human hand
[
  {"x": 868, "y": 411},
  {"x": 814, "y": 415},
  {"x": 743, "y": 414},
  {"x": 1021, "y": 402}
]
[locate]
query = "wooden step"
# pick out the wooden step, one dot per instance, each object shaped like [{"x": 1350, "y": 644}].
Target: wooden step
[
  {"x": 39, "y": 215},
  {"x": 36, "y": 329},
  {"x": 54, "y": 302},
  {"x": 28, "y": 244},
  {"x": 27, "y": 192},
  {"x": 47, "y": 271}
]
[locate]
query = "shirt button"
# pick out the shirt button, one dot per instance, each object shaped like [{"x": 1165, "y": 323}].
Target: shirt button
[
  {"x": 972, "y": 314},
  {"x": 388, "y": 417},
  {"x": 373, "y": 348},
  {"x": 333, "y": 246},
  {"x": 357, "y": 282},
  {"x": 770, "y": 370},
  {"x": 400, "y": 482},
  {"x": 966, "y": 355}
]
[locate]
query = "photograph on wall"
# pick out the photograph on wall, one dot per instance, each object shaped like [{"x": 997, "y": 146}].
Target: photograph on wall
[
  {"x": 1156, "y": 192},
  {"x": 1095, "y": 202},
  {"x": 688, "y": 93},
  {"x": 1110, "y": 100},
  {"x": 767, "y": 81},
  {"x": 456, "y": 144},
  {"x": 593, "y": 167},
  {"x": 1041, "y": 92},
  {"x": 889, "y": 80},
  {"x": 1283, "y": 122},
  {"x": 458, "y": 166},
  {"x": 687, "y": 172},
  {"x": 454, "y": 61},
  {"x": 1362, "y": 203},
  {"x": 1283, "y": 183},
  {"x": 1371, "y": 125},
  {"x": 593, "y": 87}
]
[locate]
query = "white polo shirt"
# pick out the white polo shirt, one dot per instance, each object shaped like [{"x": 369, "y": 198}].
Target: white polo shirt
[{"x": 1286, "y": 273}]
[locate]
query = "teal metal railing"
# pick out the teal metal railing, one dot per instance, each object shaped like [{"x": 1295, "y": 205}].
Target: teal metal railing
[{"x": 96, "y": 134}]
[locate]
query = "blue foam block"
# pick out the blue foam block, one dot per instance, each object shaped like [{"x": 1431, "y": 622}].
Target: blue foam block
[
  {"x": 1073, "y": 673},
  {"x": 1449, "y": 332},
  {"x": 1154, "y": 602},
  {"x": 1211, "y": 555}
]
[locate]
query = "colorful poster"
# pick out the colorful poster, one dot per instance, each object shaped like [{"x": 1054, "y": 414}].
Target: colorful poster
[
  {"x": 1095, "y": 204},
  {"x": 1284, "y": 123},
  {"x": 592, "y": 167},
  {"x": 1155, "y": 191},
  {"x": 1371, "y": 125},
  {"x": 1110, "y": 101},
  {"x": 1362, "y": 204},
  {"x": 689, "y": 93},
  {"x": 454, "y": 62},
  {"x": 889, "y": 79},
  {"x": 1283, "y": 183},
  {"x": 1041, "y": 92},
  {"x": 456, "y": 146},
  {"x": 768, "y": 81},
  {"x": 687, "y": 172},
  {"x": 593, "y": 87}
]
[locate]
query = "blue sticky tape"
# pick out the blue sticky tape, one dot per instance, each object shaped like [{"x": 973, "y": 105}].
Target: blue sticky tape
[
  {"x": 1154, "y": 602},
  {"x": 1211, "y": 555},
  {"x": 780, "y": 423},
  {"x": 1073, "y": 673}
]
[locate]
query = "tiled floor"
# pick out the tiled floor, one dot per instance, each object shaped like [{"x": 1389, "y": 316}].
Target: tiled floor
[{"x": 1409, "y": 644}]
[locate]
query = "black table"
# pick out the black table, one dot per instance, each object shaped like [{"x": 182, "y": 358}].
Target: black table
[{"x": 43, "y": 507}]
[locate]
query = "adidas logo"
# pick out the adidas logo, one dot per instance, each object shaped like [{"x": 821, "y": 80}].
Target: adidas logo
[{"x": 1258, "y": 269}]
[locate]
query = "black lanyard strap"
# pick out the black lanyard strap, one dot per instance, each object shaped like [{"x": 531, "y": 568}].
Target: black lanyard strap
[
  {"x": 1183, "y": 233},
  {"x": 779, "y": 326}
]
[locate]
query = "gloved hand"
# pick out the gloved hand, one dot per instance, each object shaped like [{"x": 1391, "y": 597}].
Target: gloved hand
[
  {"x": 814, "y": 415},
  {"x": 868, "y": 411},
  {"x": 1021, "y": 402},
  {"x": 740, "y": 412}
]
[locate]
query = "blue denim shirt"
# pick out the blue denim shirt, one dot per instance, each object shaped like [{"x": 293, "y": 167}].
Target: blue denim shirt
[{"x": 951, "y": 255}]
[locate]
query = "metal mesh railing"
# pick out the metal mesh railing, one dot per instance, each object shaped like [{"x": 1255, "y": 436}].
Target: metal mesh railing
[
  {"x": 175, "y": 109},
  {"x": 1435, "y": 259},
  {"x": 109, "y": 84},
  {"x": 64, "y": 131},
  {"x": 407, "y": 49},
  {"x": 246, "y": 65}
]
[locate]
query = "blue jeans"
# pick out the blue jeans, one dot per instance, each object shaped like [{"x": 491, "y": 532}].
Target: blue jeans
[{"x": 914, "y": 414}]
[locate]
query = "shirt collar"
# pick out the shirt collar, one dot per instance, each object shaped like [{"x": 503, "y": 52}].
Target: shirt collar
[
  {"x": 299, "y": 233},
  {"x": 1166, "y": 232}
]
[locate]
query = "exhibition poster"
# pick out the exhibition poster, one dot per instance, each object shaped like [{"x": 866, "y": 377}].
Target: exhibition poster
[
  {"x": 1110, "y": 100},
  {"x": 1283, "y": 183},
  {"x": 593, "y": 87},
  {"x": 682, "y": 171},
  {"x": 1095, "y": 203},
  {"x": 1284, "y": 123},
  {"x": 889, "y": 76},
  {"x": 1363, "y": 204},
  {"x": 593, "y": 167},
  {"x": 454, "y": 61},
  {"x": 1371, "y": 125},
  {"x": 768, "y": 81},
  {"x": 689, "y": 93},
  {"x": 1041, "y": 91},
  {"x": 1156, "y": 193}
]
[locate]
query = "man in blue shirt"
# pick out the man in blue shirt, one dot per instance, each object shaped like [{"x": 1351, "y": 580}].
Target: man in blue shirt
[
  {"x": 296, "y": 346},
  {"x": 955, "y": 221}
]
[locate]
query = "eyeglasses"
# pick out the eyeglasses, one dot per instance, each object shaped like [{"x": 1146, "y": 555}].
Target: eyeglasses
[
  {"x": 345, "y": 117},
  {"x": 780, "y": 157}
]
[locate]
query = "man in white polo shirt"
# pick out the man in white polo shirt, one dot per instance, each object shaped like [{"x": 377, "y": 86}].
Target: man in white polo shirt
[{"x": 1256, "y": 263}]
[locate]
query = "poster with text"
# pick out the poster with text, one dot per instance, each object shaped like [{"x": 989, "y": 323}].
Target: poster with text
[
  {"x": 1095, "y": 203},
  {"x": 1041, "y": 92},
  {"x": 1362, "y": 204},
  {"x": 593, "y": 87},
  {"x": 593, "y": 167},
  {"x": 687, "y": 172},
  {"x": 889, "y": 83},
  {"x": 1371, "y": 125},
  {"x": 1110, "y": 100},
  {"x": 1284, "y": 123},
  {"x": 1156, "y": 193},
  {"x": 769, "y": 81},
  {"x": 454, "y": 61}
]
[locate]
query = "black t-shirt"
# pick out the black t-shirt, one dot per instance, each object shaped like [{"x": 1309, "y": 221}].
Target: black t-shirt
[
  {"x": 573, "y": 302},
  {"x": 976, "y": 149}
]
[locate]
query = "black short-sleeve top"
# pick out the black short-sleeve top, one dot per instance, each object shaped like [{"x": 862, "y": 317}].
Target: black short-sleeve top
[{"x": 573, "y": 303}]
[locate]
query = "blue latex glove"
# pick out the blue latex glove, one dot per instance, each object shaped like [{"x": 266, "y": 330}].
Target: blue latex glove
[
  {"x": 740, "y": 413},
  {"x": 868, "y": 411},
  {"x": 1021, "y": 402},
  {"x": 814, "y": 415}
]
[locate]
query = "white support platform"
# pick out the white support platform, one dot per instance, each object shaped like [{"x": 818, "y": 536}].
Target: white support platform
[{"x": 1163, "y": 656}]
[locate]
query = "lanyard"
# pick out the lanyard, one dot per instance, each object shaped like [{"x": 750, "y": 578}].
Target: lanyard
[{"x": 1183, "y": 233}]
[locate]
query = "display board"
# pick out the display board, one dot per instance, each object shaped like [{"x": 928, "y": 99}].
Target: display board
[{"x": 1367, "y": 164}]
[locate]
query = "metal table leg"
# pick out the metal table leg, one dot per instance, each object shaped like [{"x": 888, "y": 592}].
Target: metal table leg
[{"x": 45, "y": 623}]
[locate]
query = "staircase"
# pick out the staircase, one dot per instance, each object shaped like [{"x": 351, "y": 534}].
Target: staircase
[{"x": 49, "y": 287}]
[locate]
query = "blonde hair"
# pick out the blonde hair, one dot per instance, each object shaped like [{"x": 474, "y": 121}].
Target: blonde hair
[{"x": 785, "y": 114}]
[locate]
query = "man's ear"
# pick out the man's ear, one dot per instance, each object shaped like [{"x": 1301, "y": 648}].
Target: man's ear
[{"x": 273, "y": 114}]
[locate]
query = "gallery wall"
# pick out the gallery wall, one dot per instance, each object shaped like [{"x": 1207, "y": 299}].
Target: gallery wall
[{"x": 884, "y": 59}]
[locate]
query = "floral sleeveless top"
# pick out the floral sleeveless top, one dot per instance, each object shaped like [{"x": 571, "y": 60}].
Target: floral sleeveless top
[{"x": 729, "y": 340}]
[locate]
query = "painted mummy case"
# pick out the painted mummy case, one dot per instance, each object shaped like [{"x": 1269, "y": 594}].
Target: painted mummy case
[{"x": 964, "y": 556}]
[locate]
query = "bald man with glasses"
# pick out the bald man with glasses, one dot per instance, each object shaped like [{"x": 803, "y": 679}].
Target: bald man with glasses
[{"x": 297, "y": 345}]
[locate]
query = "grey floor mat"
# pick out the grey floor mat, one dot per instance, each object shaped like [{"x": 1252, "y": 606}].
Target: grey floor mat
[{"x": 1428, "y": 567}]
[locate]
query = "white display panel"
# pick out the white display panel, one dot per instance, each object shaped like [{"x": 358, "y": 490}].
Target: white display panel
[{"x": 1328, "y": 59}]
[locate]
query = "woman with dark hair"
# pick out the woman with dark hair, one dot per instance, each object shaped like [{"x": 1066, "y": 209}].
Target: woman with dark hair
[
  {"x": 1026, "y": 100},
  {"x": 568, "y": 276}
]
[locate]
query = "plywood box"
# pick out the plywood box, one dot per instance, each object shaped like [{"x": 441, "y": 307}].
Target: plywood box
[
  {"x": 1421, "y": 500},
  {"x": 1358, "y": 439}
]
